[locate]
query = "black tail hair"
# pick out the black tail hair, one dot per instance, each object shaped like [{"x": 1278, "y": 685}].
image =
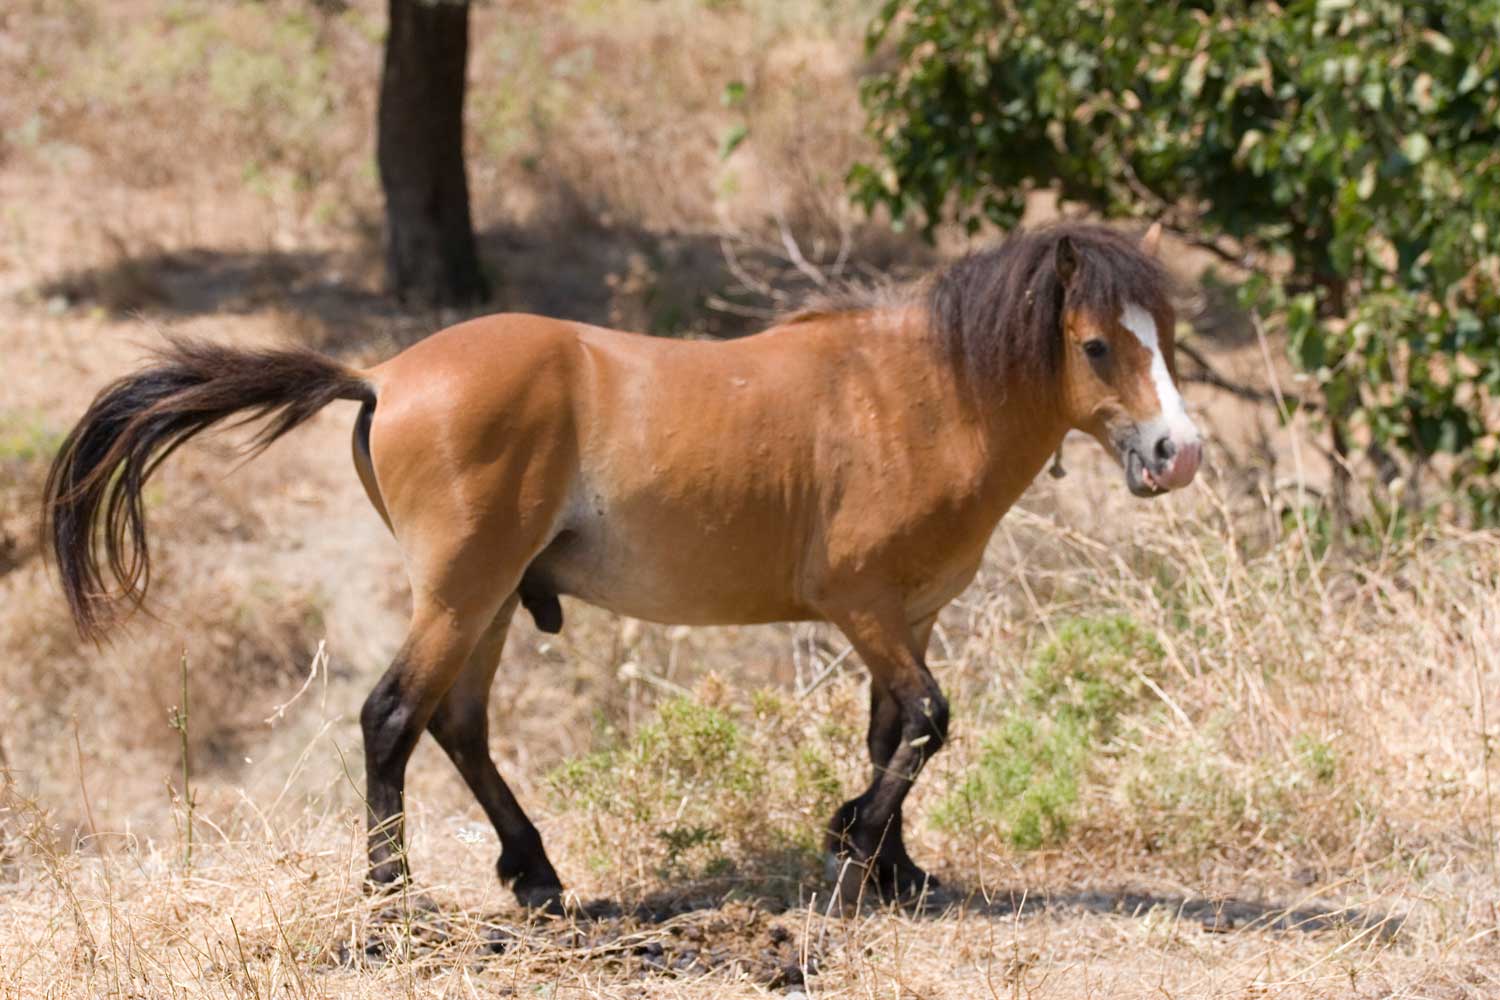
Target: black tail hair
[{"x": 94, "y": 515}]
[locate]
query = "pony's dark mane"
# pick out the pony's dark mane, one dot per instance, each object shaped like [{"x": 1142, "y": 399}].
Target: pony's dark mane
[{"x": 998, "y": 311}]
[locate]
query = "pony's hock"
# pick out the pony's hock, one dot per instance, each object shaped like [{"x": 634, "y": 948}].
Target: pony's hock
[{"x": 518, "y": 459}]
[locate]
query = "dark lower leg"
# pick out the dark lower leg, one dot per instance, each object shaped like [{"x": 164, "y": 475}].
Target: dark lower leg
[
  {"x": 463, "y": 734},
  {"x": 392, "y": 721},
  {"x": 882, "y": 739},
  {"x": 390, "y": 733},
  {"x": 904, "y": 733},
  {"x": 461, "y": 727}
]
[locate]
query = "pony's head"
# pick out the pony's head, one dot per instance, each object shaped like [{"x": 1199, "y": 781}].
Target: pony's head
[
  {"x": 1117, "y": 366},
  {"x": 1085, "y": 312}
]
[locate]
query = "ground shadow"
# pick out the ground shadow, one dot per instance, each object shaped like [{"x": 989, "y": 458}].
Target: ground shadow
[
  {"x": 1215, "y": 915},
  {"x": 672, "y": 934},
  {"x": 737, "y": 927},
  {"x": 204, "y": 281}
]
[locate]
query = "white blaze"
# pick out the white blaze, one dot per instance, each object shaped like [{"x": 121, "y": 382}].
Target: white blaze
[{"x": 1141, "y": 323}]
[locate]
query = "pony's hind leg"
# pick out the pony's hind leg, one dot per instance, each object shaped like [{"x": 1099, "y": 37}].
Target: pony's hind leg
[
  {"x": 461, "y": 726},
  {"x": 473, "y": 471},
  {"x": 438, "y": 644}
]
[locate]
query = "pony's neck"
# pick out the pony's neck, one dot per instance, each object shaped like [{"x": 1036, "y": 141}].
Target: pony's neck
[
  {"x": 1017, "y": 422},
  {"x": 1023, "y": 428}
]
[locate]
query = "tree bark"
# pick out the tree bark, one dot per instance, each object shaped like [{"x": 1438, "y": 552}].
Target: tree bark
[{"x": 431, "y": 258}]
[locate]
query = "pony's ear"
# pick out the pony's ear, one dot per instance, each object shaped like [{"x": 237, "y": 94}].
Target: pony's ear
[
  {"x": 1065, "y": 260},
  {"x": 1151, "y": 242}
]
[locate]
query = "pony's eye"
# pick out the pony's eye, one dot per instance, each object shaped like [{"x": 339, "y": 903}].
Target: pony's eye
[{"x": 1095, "y": 349}]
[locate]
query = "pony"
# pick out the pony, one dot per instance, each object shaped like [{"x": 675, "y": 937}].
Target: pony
[{"x": 847, "y": 465}]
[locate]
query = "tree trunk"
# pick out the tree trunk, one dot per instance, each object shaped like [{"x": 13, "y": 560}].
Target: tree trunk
[{"x": 430, "y": 254}]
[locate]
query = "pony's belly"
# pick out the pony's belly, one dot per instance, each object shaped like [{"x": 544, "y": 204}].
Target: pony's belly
[{"x": 669, "y": 582}]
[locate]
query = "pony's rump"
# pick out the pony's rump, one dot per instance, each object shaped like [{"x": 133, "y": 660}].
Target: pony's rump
[{"x": 94, "y": 513}]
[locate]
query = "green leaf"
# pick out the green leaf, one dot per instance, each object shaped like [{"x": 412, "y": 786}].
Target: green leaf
[
  {"x": 733, "y": 136},
  {"x": 1415, "y": 147}
]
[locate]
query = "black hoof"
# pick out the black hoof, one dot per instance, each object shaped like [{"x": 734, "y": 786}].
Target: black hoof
[
  {"x": 870, "y": 863},
  {"x": 877, "y": 880},
  {"x": 839, "y": 837},
  {"x": 386, "y": 878},
  {"x": 535, "y": 884},
  {"x": 906, "y": 882},
  {"x": 545, "y": 899}
]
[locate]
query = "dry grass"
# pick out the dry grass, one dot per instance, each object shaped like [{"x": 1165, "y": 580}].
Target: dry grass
[
  {"x": 1295, "y": 804},
  {"x": 1197, "y": 751}
]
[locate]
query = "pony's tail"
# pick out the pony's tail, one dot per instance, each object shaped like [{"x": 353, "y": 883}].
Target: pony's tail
[{"x": 94, "y": 514}]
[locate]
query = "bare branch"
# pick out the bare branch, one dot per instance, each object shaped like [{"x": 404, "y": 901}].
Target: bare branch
[{"x": 1209, "y": 375}]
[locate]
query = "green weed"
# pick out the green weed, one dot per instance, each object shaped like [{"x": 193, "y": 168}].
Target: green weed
[
  {"x": 696, "y": 793},
  {"x": 1025, "y": 783}
]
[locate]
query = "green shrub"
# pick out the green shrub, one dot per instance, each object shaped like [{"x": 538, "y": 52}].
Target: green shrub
[
  {"x": 697, "y": 793},
  {"x": 1025, "y": 784},
  {"x": 1318, "y": 759},
  {"x": 1358, "y": 141}
]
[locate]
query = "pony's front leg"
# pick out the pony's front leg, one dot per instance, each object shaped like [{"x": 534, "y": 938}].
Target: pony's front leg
[
  {"x": 895, "y": 867},
  {"x": 908, "y": 724}
]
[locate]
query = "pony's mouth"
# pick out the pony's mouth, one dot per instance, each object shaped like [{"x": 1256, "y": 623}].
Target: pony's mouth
[
  {"x": 1172, "y": 473},
  {"x": 1138, "y": 476}
]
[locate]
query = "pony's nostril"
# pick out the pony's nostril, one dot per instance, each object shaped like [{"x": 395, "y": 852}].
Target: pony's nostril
[{"x": 1165, "y": 449}]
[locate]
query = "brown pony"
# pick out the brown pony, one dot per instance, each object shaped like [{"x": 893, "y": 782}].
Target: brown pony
[{"x": 847, "y": 466}]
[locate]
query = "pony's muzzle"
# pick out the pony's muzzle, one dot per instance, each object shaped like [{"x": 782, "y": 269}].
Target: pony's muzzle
[
  {"x": 1159, "y": 460},
  {"x": 1174, "y": 465}
]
